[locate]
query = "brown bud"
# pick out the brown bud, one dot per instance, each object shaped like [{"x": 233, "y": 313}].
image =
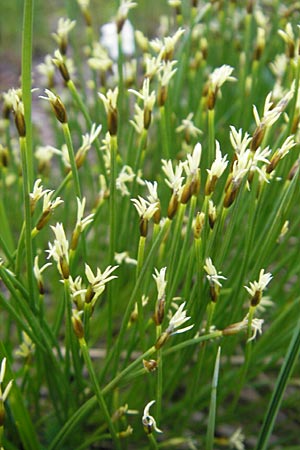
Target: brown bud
[
  {"x": 20, "y": 123},
  {"x": 4, "y": 156},
  {"x": 230, "y": 196},
  {"x": 75, "y": 238},
  {"x": 44, "y": 219},
  {"x": 78, "y": 326},
  {"x": 161, "y": 340},
  {"x": 173, "y": 206},
  {"x": 143, "y": 227},
  {"x": 159, "y": 312},
  {"x": 64, "y": 266},
  {"x": 150, "y": 365},
  {"x": 210, "y": 185},
  {"x": 147, "y": 118},
  {"x": 112, "y": 122},
  {"x": 258, "y": 136},
  {"x": 59, "y": 110},
  {"x": 162, "y": 95},
  {"x": 293, "y": 170},
  {"x": 199, "y": 222},
  {"x": 255, "y": 300},
  {"x": 186, "y": 193},
  {"x": 89, "y": 294},
  {"x": 211, "y": 99}
]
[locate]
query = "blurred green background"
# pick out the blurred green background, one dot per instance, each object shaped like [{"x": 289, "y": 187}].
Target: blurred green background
[{"x": 144, "y": 17}]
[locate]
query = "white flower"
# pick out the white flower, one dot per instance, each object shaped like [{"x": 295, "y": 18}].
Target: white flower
[
  {"x": 50, "y": 205},
  {"x": 238, "y": 142},
  {"x": 153, "y": 65},
  {"x": 212, "y": 275},
  {"x": 279, "y": 65},
  {"x": 82, "y": 223},
  {"x": 178, "y": 319},
  {"x": 37, "y": 270},
  {"x": 110, "y": 99},
  {"x": 125, "y": 176},
  {"x": 149, "y": 421},
  {"x": 219, "y": 164},
  {"x": 77, "y": 292},
  {"x": 191, "y": 166},
  {"x": 59, "y": 250},
  {"x": 124, "y": 256},
  {"x": 26, "y": 348},
  {"x": 161, "y": 283},
  {"x": 174, "y": 179},
  {"x": 220, "y": 75},
  {"x": 37, "y": 191},
  {"x": 272, "y": 113},
  {"x": 145, "y": 209},
  {"x": 4, "y": 394},
  {"x": 99, "y": 280},
  {"x": 256, "y": 327},
  {"x": 152, "y": 189},
  {"x": 240, "y": 167},
  {"x": 167, "y": 72},
  {"x": 64, "y": 27},
  {"x": 138, "y": 122},
  {"x": 260, "y": 155},
  {"x": 188, "y": 127},
  {"x": 287, "y": 34},
  {"x": 145, "y": 96},
  {"x": 286, "y": 146},
  {"x": 125, "y": 7},
  {"x": 258, "y": 286},
  {"x": 83, "y": 4},
  {"x": 236, "y": 441},
  {"x": 89, "y": 138},
  {"x": 46, "y": 68},
  {"x": 44, "y": 153}
]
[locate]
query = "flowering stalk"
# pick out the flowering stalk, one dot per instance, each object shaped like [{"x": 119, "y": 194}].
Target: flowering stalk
[
  {"x": 26, "y": 79},
  {"x": 74, "y": 169},
  {"x": 28, "y": 225},
  {"x": 112, "y": 198},
  {"x": 89, "y": 123},
  {"x": 140, "y": 261}
]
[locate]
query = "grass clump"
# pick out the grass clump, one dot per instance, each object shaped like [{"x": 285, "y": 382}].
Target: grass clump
[{"x": 149, "y": 232}]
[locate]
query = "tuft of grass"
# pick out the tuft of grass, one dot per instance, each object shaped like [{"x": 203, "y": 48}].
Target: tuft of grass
[{"x": 149, "y": 192}]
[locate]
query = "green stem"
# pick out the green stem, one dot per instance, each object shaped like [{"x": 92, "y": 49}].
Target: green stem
[
  {"x": 213, "y": 406},
  {"x": 26, "y": 79},
  {"x": 74, "y": 170},
  {"x": 140, "y": 261},
  {"x": 89, "y": 123},
  {"x": 28, "y": 227},
  {"x": 164, "y": 133},
  {"x": 99, "y": 392},
  {"x": 112, "y": 228},
  {"x": 211, "y": 136},
  {"x": 159, "y": 385},
  {"x": 244, "y": 370}
]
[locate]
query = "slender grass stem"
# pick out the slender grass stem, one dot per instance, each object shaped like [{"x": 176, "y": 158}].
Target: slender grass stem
[
  {"x": 28, "y": 226},
  {"x": 74, "y": 169},
  {"x": 26, "y": 80},
  {"x": 213, "y": 405}
]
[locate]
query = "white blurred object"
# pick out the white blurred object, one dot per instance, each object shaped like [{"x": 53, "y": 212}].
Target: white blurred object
[{"x": 109, "y": 39}]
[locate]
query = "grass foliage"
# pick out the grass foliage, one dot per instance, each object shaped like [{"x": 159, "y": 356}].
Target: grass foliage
[{"x": 149, "y": 231}]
